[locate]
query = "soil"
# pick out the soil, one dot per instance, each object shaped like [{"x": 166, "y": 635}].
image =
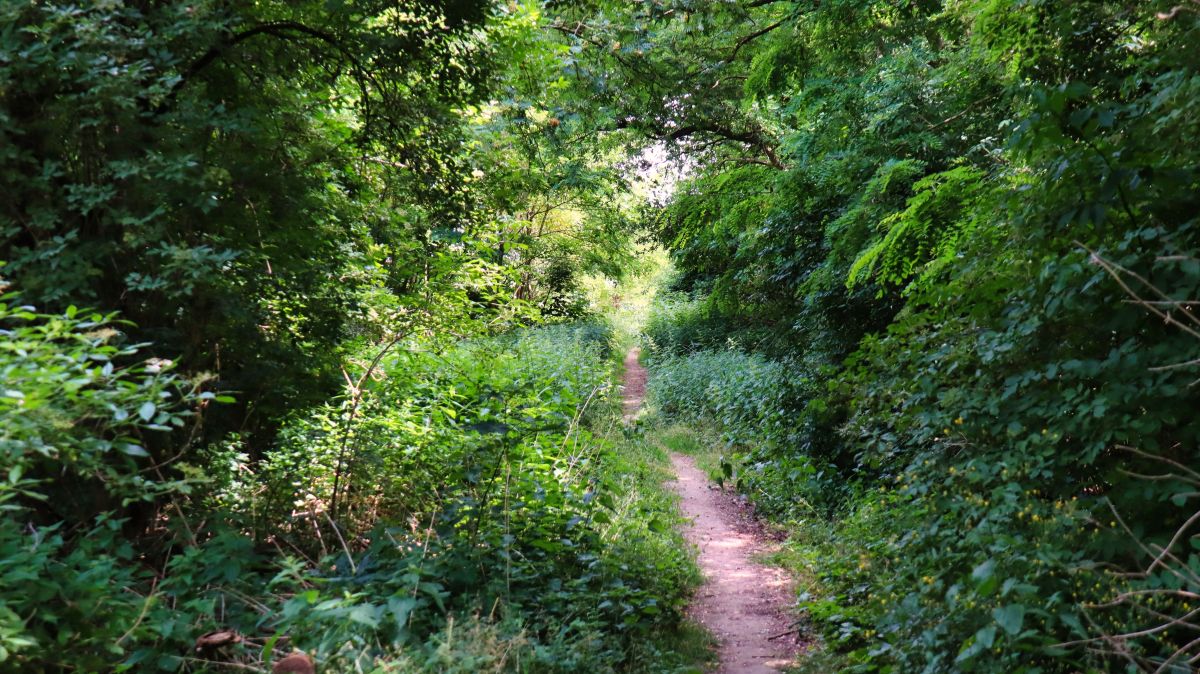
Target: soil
[
  {"x": 635, "y": 383},
  {"x": 743, "y": 602}
]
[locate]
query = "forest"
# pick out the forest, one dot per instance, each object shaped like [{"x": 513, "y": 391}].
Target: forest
[{"x": 322, "y": 324}]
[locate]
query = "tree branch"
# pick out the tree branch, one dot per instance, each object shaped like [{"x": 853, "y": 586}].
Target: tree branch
[
  {"x": 750, "y": 38},
  {"x": 281, "y": 29},
  {"x": 750, "y": 138}
]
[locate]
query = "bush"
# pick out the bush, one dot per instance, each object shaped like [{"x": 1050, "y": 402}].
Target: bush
[
  {"x": 677, "y": 325},
  {"x": 534, "y": 521},
  {"x": 778, "y": 446},
  {"x": 481, "y": 515},
  {"x": 82, "y": 420}
]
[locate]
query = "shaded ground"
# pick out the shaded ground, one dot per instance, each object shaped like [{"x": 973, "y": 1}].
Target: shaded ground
[
  {"x": 742, "y": 602},
  {"x": 635, "y": 383}
]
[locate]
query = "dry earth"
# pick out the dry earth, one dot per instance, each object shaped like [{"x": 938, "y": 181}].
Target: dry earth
[
  {"x": 742, "y": 602},
  {"x": 635, "y": 383}
]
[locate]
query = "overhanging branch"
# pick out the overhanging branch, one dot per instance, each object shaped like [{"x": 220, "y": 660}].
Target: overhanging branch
[
  {"x": 280, "y": 29},
  {"x": 750, "y": 38}
]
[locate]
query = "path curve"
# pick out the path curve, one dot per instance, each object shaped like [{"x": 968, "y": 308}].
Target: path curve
[{"x": 742, "y": 602}]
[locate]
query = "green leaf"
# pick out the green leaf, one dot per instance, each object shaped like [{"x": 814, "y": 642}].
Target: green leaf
[
  {"x": 983, "y": 640},
  {"x": 401, "y": 608},
  {"x": 1010, "y": 618},
  {"x": 986, "y": 637},
  {"x": 365, "y": 614},
  {"x": 134, "y": 450},
  {"x": 984, "y": 571},
  {"x": 985, "y": 578},
  {"x": 269, "y": 646},
  {"x": 146, "y": 411}
]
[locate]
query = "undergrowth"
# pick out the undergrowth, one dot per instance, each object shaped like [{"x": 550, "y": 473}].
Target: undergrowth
[
  {"x": 952, "y": 561},
  {"x": 481, "y": 508}
]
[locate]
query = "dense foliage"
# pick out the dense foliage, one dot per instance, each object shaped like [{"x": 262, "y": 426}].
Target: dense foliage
[
  {"x": 308, "y": 411},
  {"x": 934, "y": 291},
  {"x": 257, "y": 185},
  {"x": 227, "y": 175},
  {"x": 965, "y": 234},
  {"x": 479, "y": 491}
]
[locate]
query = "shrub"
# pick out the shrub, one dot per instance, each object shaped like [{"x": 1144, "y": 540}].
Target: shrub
[
  {"x": 82, "y": 419},
  {"x": 778, "y": 445},
  {"x": 677, "y": 325},
  {"x": 482, "y": 514}
]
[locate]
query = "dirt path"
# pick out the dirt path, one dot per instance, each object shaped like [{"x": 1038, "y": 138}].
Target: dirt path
[
  {"x": 635, "y": 383},
  {"x": 742, "y": 602}
]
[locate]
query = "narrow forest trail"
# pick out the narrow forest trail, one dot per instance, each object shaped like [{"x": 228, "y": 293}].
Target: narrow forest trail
[
  {"x": 635, "y": 383},
  {"x": 742, "y": 602}
]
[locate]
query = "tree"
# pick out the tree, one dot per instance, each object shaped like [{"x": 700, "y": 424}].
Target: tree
[{"x": 234, "y": 177}]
